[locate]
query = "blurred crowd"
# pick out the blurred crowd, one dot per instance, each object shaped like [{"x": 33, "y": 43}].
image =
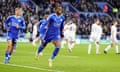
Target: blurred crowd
[
  {"x": 7, "y": 8},
  {"x": 83, "y": 21},
  {"x": 87, "y": 6}
]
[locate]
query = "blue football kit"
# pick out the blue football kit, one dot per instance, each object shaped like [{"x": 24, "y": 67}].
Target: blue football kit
[
  {"x": 13, "y": 25},
  {"x": 53, "y": 30}
]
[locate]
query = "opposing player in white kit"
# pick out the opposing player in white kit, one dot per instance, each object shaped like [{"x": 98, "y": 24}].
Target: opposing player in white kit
[
  {"x": 69, "y": 35},
  {"x": 35, "y": 33},
  {"x": 95, "y": 36},
  {"x": 113, "y": 38}
]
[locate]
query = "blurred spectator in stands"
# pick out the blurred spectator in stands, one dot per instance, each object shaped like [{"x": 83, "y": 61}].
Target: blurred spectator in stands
[
  {"x": 1, "y": 29},
  {"x": 105, "y": 8},
  {"x": 30, "y": 28}
]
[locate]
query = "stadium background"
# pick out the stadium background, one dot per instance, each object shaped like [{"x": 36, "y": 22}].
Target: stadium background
[{"x": 83, "y": 11}]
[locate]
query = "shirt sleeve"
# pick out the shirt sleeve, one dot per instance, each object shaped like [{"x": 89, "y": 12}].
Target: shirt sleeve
[
  {"x": 62, "y": 27},
  {"x": 101, "y": 30},
  {"x": 22, "y": 25},
  {"x": 42, "y": 26},
  {"x": 6, "y": 22},
  {"x": 92, "y": 29},
  {"x": 49, "y": 18},
  {"x": 48, "y": 22}
]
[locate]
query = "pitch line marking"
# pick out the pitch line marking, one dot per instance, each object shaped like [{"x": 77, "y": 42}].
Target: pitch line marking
[
  {"x": 30, "y": 67},
  {"x": 64, "y": 56}
]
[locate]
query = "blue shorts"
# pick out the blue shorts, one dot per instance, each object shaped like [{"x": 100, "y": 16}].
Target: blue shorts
[
  {"x": 49, "y": 38},
  {"x": 42, "y": 36},
  {"x": 11, "y": 37}
]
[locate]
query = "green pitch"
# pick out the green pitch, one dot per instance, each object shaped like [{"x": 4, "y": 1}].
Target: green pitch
[{"x": 77, "y": 61}]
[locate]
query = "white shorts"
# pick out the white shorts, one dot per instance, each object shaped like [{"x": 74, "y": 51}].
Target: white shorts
[
  {"x": 114, "y": 41},
  {"x": 95, "y": 38},
  {"x": 70, "y": 37},
  {"x": 34, "y": 35}
]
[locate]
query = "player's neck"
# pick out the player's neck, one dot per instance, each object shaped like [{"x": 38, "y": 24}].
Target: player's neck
[
  {"x": 17, "y": 16},
  {"x": 58, "y": 14}
]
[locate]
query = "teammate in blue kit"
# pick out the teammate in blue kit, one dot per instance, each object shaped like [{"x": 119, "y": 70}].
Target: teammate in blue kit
[
  {"x": 43, "y": 26},
  {"x": 13, "y": 24},
  {"x": 53, "y": 33}
]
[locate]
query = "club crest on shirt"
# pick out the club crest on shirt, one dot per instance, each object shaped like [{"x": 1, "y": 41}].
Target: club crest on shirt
[
  {"x": 61, "y": 20},
  {"x": 19, "y": 20}
]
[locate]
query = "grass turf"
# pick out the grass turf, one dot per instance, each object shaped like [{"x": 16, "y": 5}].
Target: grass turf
[{"x": 77, "y": 61}]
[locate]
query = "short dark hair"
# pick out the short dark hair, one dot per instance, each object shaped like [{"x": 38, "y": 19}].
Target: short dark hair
[
  {"x": 46, "y": 13},
  {"x": 57, "y": 5},
  {"x": 97, "y": 19}
]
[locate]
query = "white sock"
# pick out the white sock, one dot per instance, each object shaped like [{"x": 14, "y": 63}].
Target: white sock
[
  {"x": 34, "y": 41},
  {"x": 97, "y": 48},
  {"x": 108, "y": 47},
  {"x": 116, "y": 48},
  {"x": 39, "y": 41},
  {"x": 62, "y": 44},
  {"x": 89, "y": 48},
  {"x": 72, "y": 45},
  {"x": 69, "y": 45}
]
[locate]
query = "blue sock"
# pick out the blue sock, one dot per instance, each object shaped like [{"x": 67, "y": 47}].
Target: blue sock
[
  {"x": 7, "y": 57},
  {"x": 10, "y": 53},
  {"x": 7, "y": 54},
  {"x": 40, "y": 49},
  {"x": 57, "y": 48}
]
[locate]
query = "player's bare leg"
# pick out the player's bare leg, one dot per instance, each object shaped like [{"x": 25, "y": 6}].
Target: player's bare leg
[
  {"x": 69, "y": 45},
  {"x": 107, "y": 48},
  {"x": 97, "y": 48},
  {"x": 89, "y": 47},
  {"x": 8, "y": 51},
  {"x": 55, "y": 52},
  {"x": 38, "y": 55},
  {"x": 73, "y": 44},
  {"x": 14, "y": 43},
  {"x": 63, "y": 43},
  {"x": 116, "y": 48},
  {"x": 39, "y": 51},
  {"x": 34, "y": 41}
]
